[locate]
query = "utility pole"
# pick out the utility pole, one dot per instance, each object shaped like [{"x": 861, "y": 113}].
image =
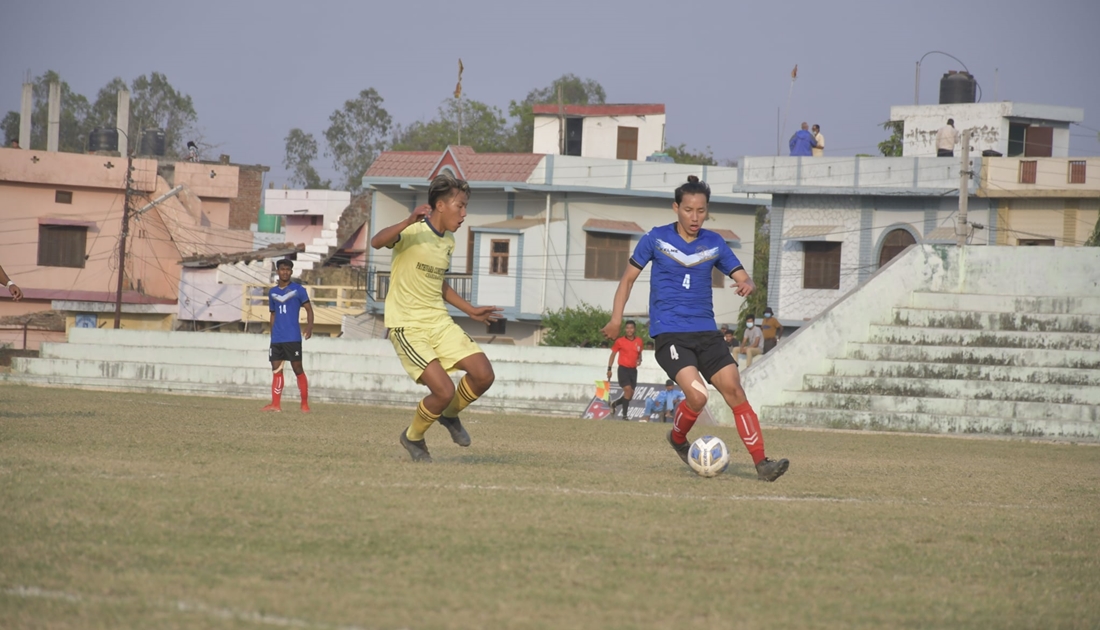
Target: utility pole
[
  {"x": 122, "y": 241},
  {"x": 561, "y": 123},
  {"x": 964, "y": 190}
]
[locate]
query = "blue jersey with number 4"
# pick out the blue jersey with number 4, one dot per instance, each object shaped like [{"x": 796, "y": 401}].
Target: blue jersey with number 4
[
  {"x": 680, "y": 294},
  {"x": 286, "y": 303}
]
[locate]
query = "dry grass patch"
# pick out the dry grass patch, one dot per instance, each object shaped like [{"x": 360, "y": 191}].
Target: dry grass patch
[{"x": 126, "y": 510}]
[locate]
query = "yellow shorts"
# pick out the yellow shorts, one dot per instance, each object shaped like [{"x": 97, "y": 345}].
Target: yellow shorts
[{"x": 417, "y": 347}]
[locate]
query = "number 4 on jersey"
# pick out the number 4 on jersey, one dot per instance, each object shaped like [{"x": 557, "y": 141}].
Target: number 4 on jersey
[{"x": 687, "y": 281}]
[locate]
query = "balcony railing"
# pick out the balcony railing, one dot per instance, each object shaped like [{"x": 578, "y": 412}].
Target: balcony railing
[
  {"x": 462, "y": 283},
  {"x": 330, "y": 303}
]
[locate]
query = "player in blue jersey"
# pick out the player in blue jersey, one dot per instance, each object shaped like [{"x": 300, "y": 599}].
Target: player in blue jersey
[
  {"x": 286, "y": 300},
  {"x": 687, "y": 343}
]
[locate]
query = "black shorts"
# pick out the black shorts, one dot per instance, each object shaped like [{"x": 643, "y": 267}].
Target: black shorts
[
  {"x": 288, "y": 351},
  {"x": 705, "y": 351},
  {"x": 628, "y": 377}
]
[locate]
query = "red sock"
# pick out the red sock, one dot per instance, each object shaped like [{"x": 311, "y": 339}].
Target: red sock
[
  {"x": 303, "y": 387},
  {"x": 276, "y": 388},
  {"x": 684, "y": 419},
  {"x": 748, "y": 427}
]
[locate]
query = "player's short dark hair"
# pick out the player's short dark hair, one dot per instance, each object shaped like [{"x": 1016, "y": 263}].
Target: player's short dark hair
[
  {"x": 444, "y": 186},
  {"x": 694, "y": 186},
  {"x": 669, "y": 382},
  {"x": 951, "y": 121},
  {"x": 284, "y": 262},
  {"x": 630, "y": 322}
]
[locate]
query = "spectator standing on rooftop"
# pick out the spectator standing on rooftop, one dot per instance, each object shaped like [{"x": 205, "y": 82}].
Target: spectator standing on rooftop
[
  {"x": 946, "y": 139},
  {"x": 802, "y": 142},
  {"x": 819, "y": 141}
]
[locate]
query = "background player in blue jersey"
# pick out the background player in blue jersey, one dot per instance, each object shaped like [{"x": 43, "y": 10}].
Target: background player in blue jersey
[
  {"x": 286, "y": 300},
  {"x": 687, "y": 343}
]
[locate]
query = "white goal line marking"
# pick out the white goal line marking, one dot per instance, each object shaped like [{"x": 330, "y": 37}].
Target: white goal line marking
[
  {"x": 699, "y": 497},
  {"x": 266, "y": 619}
]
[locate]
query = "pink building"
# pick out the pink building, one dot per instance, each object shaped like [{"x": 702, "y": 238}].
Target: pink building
[{"x": 62, "y": 217}]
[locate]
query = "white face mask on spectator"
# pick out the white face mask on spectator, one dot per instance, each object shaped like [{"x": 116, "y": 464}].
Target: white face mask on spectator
[
  {"x": 767, "y": 314},
  {"x": 748, "y": 324}
]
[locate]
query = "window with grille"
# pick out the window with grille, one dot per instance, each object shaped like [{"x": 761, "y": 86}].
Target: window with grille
[
  {"x": 605, "y": 255},
  {"x": 63, "y": 196},
  {"x": 821, "y": 265},
  {"x": 1028, "y": 169},
  {"x": 1077, "y": 171},
  {"x": 498, "y": 263},
  {"x": 61, "y": 245}
]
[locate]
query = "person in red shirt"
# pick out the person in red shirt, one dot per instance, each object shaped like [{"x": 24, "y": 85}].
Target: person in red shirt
[{"x": 629, "y": 349}]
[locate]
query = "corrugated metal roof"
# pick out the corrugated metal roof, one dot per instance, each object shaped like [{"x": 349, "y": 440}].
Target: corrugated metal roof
[
  {"x": 614, "y": 227},
  {"x": 941, "y": 234},
  {"x": 729, "y": 235},
  {"x": 482, "y": 167},
  {"x": 403, "y": 164},
  {"x": 810, "y": 233}
]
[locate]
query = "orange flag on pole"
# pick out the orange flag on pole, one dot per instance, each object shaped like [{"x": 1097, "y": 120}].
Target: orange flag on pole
[{"x": 603, "y": 390}]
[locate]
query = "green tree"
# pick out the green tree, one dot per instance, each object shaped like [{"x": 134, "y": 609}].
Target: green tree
[
  {"x": 579, "y": 327},
  {"x": 104, "y": 109},
  {"x": 73, "y": 131},
  {"x": 155, "y": 104},
  {"x": 1094, "y": 240},
  {"x": 356, "y": 134},
  {"x": 483, "y": 127},
  {"x": 301, "y": 150},
  {"x": 575, "y": 91},
  {"x": 681, "y": 155},
  {"x": 891, "y": 147},
  {"x": 761, "y": 255}
]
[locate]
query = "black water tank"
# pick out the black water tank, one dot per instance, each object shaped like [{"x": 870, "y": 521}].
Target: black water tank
[
  {"x": 958, "y": 87},
  {"x": 103, "y": 140},
  {"x": 152, "y": 142}
]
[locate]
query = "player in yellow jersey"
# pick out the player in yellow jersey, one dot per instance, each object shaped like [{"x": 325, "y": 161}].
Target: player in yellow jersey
[{"x": 428, "y": 342}]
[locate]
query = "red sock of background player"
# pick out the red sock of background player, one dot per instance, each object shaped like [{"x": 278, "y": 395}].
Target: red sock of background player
[
  {"x": 276, "y": 388},
  {"x": 303, "y": 387},
  {"x": 748, "y": 427},
  {"x": 684, "y": 419}
]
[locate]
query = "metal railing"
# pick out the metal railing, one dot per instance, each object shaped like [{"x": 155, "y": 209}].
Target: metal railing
[{"x": 462, "y": 283}]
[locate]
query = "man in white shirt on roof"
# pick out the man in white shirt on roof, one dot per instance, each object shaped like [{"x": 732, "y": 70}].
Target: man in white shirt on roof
[{"x": 946, "y": 139}]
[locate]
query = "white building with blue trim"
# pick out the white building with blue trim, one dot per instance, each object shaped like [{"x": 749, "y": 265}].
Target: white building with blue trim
[{"x": 545, "y": 232}]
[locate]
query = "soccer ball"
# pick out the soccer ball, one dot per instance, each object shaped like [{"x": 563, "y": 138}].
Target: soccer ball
[{"x": 708, "y": 456}]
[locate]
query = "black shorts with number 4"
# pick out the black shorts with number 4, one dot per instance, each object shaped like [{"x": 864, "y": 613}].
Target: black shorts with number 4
[
  {"x": 705, "y": 351},
  {"x": 289, "y": 351}
]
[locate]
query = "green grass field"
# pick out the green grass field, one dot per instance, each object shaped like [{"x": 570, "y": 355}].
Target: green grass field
[{"x": 142, "y": 511}]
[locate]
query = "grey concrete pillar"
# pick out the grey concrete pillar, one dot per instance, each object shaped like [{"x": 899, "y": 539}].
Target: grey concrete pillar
[
  {"x": 25, "y": 111},
  {"x": 122, "y": 122},
  {"x": 53, "y": 131}
]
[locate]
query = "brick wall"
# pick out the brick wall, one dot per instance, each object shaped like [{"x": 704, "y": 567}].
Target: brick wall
[{"x": 245, "y": 209}]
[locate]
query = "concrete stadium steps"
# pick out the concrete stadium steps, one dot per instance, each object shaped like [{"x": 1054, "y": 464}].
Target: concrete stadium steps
[
  {"x": 928, "y": 422},
  {"x": 972, "y": 302},
  {"x": 992, "y": 320},
  {"x": 948, "y": 388},
  {"x": 1014, "y": 409},
  {"x": 880, "y": 333},
  {"x": 962, "y": 363},
  {"x": 1001, "y": 373},
  {"x": 1084, "y": 359}
]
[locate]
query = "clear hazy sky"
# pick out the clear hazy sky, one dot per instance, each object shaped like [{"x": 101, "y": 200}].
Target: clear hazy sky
[{"x": 257, "y": 69}]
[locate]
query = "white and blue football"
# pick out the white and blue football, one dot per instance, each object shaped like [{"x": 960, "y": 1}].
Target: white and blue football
[{"x": 708, "y": 456}]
